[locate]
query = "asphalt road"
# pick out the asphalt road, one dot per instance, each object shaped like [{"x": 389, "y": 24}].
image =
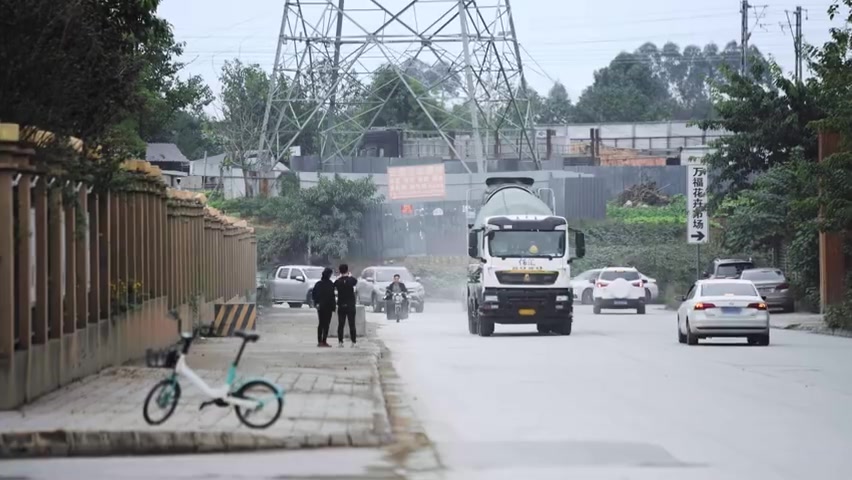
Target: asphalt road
[{"x": 621, "y": 398}]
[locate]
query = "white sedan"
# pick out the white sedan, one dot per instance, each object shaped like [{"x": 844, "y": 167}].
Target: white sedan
[{"x": 723, "y": 308}]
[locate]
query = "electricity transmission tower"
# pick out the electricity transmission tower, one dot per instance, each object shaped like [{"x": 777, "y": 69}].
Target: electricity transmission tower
[{"x": 341, "y": 67}]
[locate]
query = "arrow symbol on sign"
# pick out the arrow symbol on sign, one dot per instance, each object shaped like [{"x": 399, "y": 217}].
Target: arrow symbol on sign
[{"x": 698, "y": 236}]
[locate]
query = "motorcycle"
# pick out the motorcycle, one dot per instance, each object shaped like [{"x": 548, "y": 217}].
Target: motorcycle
[{"x": 397, "y": 306}]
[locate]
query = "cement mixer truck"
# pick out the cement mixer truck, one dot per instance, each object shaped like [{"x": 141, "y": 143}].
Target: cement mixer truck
[{"x": 523, "y": 254}]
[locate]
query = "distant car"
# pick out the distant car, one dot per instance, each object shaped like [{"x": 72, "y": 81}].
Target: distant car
[
  {"x": 727, "y": 268},
  {"x": 723, "y": 308},
  {"x": 374, "y": 282},
  {"x": 293, "y": 284},
  {"x": 583, "y": 286},
  {"x": 619, "y": 288},
  {"x": 772, "y": 286}
]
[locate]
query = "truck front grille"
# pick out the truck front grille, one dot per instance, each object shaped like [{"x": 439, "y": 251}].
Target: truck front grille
[{"x": 527, "y": 278}]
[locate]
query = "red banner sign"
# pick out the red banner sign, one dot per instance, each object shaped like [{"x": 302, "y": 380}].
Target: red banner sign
[{"x": 421, "y": 181}]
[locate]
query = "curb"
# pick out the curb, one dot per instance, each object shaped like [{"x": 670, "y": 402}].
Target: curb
[
  {"x": 63, "y": 443},
  {"x": 815, "y": 329}
]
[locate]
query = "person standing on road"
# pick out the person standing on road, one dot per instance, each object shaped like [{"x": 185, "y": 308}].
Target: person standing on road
[
  {"x": 323, "y": 296},
  {"x": 345, "y": 286}
]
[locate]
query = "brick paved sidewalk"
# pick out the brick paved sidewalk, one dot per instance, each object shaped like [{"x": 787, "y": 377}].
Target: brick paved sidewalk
[{"x": 333, "y": 398}]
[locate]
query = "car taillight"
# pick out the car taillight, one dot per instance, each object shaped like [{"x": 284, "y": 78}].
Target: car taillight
[
  {"x": 602, "y": 284},
  {"x": 783, "y": 286},
  {"x": 704, "y": 306},
  {"x": 637, "y": 284},
  {"x": 759, "y": 306}
]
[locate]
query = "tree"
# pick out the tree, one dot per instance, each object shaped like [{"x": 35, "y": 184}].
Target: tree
[
  {"x": 784, "y": 112},
  {"x": 625, "y": 91},
  {"x": 100, "y": 70},
  {"x": 557, "y": 108},
  {"x": 400, "y": 108}
]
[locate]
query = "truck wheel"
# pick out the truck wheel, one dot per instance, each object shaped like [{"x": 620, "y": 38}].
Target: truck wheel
[
  {"x": 567, "y": 324},
  {"x": 543, "y": 329},
  {"x": 471, "y": 321},
  {"x": 486, "y": 326}
]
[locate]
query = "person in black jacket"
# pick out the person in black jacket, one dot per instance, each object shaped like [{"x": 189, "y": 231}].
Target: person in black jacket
[
  {"x": 345, "y": 286},
  {"x": 323, "y": 296}
]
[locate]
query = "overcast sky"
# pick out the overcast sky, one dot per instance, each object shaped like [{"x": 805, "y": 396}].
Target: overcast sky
[{"x": 566, "y": 40}]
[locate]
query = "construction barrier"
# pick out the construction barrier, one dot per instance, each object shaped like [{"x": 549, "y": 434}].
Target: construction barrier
[{"x": 230, "y": 317}]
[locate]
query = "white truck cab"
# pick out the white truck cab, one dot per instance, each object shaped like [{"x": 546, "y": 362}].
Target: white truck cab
[{"x": 524, "y": 254}]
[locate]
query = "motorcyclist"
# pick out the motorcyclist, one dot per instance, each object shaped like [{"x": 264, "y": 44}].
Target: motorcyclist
[{"x": 396, "y": 287}]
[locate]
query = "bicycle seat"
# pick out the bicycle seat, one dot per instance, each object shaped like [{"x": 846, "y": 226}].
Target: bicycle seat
[{"x": 249, "y": 337}]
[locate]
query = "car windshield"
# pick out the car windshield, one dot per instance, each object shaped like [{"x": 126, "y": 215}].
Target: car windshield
[
  {"x": 728, "y": 289},
  {"x": 505, "y": 243},
  {"x": 611, "y": 275},
  {"x": 387, "y": 275},
  {"x": 762, "y": 275},
  {"x": 313, "y": 272},
  {"x": 732, "y": 269}
]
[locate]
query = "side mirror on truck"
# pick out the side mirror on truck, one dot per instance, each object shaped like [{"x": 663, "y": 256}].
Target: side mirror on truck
[
  {"x": 579, "y": 244},
  {"x": 473, "y": 244}
]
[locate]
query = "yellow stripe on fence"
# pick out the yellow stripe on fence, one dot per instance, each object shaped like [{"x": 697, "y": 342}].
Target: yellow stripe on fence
[{"x": 230, "y": 317}]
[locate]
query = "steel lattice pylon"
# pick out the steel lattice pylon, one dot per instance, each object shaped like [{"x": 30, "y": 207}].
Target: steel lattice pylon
[{"x": 339, "y": 64}]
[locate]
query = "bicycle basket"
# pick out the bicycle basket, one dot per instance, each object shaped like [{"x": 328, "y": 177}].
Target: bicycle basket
[{"x": 163, "y": 358}]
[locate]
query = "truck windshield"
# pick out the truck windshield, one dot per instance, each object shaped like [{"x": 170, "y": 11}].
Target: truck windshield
[{"x": 514, "y": 243}]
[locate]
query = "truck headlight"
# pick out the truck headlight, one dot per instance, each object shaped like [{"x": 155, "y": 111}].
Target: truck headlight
[
  {"x": 491, "y": 298},
  {"x": 562, "y": 298}
]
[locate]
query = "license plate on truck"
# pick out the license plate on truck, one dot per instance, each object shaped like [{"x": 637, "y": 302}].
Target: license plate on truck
[{"x": 526, "y": 312}]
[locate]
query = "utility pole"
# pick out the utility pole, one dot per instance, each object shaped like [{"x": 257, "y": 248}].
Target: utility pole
[
  {"x": 744, "y": 40},
  {"x": 798, "y": 40}
]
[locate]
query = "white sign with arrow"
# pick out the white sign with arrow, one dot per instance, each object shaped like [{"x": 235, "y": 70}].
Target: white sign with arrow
[{"x": 697, "y": 222}]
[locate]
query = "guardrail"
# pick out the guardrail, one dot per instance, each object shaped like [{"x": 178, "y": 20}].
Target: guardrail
[{"x": 87, "y": 277}]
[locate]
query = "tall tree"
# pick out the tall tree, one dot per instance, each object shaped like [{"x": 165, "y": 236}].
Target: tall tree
[
  {"x": 625, "y": 91},
  {"x": 557, "y": 108}
]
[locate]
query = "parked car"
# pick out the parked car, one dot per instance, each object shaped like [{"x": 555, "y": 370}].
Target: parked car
[
  {"x": 652, "y": 290},
  {"x": 772, "y": 286},
  {"x": 374, "y": 282},
  {"x": 583, "y": 285},
  {"x": 723, "y": 308},
  {"x": 727, "y": 268},
  {"x": 292, "y": 284},
  {"x": 619, "y": 288}
]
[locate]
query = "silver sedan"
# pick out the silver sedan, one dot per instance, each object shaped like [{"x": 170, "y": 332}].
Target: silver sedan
[{"x": 723, "y": 308}]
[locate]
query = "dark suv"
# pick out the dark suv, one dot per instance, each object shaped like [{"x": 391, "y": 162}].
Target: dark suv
[{"x": 727, "y": 268}]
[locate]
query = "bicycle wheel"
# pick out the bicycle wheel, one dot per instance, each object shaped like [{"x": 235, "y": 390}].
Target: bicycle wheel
[
  {"x": 271, "y": 404},
  {"x": 165, "y": 396}
]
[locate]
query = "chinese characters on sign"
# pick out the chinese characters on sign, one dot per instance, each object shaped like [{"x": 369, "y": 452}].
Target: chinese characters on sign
[
  {"x": 697, "y": 183},
  {"x": 421, "y": 181}
]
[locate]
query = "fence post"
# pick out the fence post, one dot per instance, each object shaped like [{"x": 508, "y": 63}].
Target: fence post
[
  {"x": 8, "y": 134},
  {"x": 40, "y": 325},
  {"x": 55, "y": 278},
  {"x": 69, "y": 324},
  {"x": 104, "y": 249},
  {"x": 81, "y": 250},
  {"x": 23, "y": 248},
  {"x": 94, "y": 258}
]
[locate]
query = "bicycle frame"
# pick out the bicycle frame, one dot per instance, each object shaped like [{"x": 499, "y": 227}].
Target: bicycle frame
[{"x": 224, "y": 392}]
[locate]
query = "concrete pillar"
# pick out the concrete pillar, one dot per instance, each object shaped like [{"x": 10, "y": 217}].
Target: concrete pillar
[
  {"x": 24, "y": 310},
  {"x": 41, "y": 256}
]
